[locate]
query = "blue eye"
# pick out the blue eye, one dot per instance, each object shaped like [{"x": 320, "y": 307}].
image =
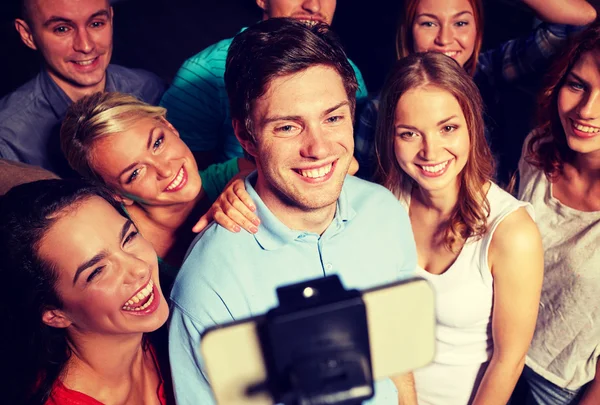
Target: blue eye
[
  {"x": 334, "y": 119},
  {"x": 577, "y": 86},
  {"x": 284, "y": 128},
  {"x": 159, "y": 142},
  {"x": 133, "y": 176}
]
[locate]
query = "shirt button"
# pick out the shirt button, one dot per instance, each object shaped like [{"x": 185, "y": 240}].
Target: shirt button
[{"x": 328, "y": 266}]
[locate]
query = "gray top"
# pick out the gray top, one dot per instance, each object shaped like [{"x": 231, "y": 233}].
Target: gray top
[
  {"x": 566, "y": 343},
  {"x": 30, "y": 117}
]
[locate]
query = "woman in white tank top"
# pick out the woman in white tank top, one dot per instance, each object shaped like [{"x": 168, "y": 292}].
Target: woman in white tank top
[{"x": 477, "y": 245}]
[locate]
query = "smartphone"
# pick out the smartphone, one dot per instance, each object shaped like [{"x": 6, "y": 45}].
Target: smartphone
[{"x": 401, "y": 323}]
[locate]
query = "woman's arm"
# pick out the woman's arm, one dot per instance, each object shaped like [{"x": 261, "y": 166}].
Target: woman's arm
[
  {"x": 516, "y": 260},
  {"x": 569, "y": 12},
  {"x": 233, "y": 209},
  {"x": 591, "y": 396},
  {"x": 405, "y": 384},
  {"x": 518, "y": 58}
]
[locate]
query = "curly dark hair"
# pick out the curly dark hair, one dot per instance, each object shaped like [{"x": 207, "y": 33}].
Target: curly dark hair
[{"x": 548, "y": 149}]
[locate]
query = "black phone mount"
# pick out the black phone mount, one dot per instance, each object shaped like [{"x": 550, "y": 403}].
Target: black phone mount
[{"x": 316, "y": 345}]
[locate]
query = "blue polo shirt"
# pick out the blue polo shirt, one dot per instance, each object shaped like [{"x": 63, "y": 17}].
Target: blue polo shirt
[
  {"x": 198, "y": 106},
  {"x": 30, "y": 117},
  {"x": 229, "y": 276}
]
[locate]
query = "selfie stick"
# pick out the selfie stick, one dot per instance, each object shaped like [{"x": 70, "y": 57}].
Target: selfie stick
[{"x": 316, "y": 345}]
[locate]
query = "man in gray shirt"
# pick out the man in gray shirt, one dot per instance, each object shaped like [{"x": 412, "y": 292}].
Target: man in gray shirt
[{"x": 75, "y": 41}]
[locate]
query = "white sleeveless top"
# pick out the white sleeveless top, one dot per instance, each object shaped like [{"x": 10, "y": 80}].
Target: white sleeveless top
[
  {"x": 566, "y": 343},
  {"x": 464, "y": 296}
]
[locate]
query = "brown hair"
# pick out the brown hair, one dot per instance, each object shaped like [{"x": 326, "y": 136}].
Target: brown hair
[
  {"x": 405, "y": 39},
  {"x": 94, "y": 117},
  {"x": 274, "y": 48},
  {"x": 548, "y": 149},
  {"x": 469, "y": 217}
]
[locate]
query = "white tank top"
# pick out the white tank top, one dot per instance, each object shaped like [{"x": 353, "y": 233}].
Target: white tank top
[{"x": 464, "y": 297}]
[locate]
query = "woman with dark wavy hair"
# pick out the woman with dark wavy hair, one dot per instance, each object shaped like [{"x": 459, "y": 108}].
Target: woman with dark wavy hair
[
  {"x": 560, "y": 177},
  {"x": 82, "y": 297},
  {"x": 477, "y": 245}
]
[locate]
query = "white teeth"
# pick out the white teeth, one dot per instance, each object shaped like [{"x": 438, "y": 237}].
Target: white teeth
[
  {"x": 451, "y": 54},
  {"x": 310, "y": 23},
  {"x": 316, "y": 173},
  {"x": 140, "y": 296},
  {"x": 85, "y": 62},
  {"x": 586, "y": 129},
  {"x": 177, "y": 181},
  {"x": 146, "y": 305},
  {"x": 435, "y": 168}
]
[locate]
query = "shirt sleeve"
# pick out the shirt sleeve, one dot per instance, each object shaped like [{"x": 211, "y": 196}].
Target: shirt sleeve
[
  {"x": 364, "y": 141},
  {"x": 520, "y": 57},
  {"x": 215, "y": 177},
  {"x": 6, "y": 152},
  {"x": 194, "y": 104}
]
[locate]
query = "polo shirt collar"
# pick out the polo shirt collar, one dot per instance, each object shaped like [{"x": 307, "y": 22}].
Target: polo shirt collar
[
  {"x": 344, "y": 212},
  {"x": 273, "y": 234}
]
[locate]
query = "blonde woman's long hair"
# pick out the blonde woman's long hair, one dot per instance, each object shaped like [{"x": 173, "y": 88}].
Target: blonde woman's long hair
[
  {"x": 469, "y": 217},
  {"x": 96, "y": 116}
]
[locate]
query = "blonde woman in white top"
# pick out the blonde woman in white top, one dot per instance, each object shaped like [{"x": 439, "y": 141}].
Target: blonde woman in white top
[{"x": 478, "y": 246}]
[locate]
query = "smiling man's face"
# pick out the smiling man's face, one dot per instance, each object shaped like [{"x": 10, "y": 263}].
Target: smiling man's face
[
  {"x": 75, "y": 40},
  {"x": 303, "y": 141}
]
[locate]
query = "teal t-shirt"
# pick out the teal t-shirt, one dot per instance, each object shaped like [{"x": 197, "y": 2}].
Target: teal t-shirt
[{"x": 215, "y": 178}]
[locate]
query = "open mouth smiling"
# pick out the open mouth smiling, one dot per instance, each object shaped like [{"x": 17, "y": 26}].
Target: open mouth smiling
[
  {"x": 141, "y": 300},
  {"x": 178, "y": 182}
]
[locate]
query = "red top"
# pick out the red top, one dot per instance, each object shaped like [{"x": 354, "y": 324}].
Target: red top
[{"x": 62, "y": 395}]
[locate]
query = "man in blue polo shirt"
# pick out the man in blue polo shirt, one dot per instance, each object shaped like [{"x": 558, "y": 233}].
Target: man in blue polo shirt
[
  {"x": 196, "y": 101},
  {"x": 74, "y": 38},
  {"x": 292, "y": 111}
]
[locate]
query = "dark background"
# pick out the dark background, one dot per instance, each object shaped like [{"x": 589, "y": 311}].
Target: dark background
[{"x": 158, "y": 35}]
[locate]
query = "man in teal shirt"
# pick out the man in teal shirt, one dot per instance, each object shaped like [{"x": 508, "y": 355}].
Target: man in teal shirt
[
  {"x": 197, "y": 103},
  {"x": 292, "y": 110}
]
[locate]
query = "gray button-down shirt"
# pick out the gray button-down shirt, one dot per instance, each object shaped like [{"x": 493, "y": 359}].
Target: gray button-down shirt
[{"x": 30, "y": 117}]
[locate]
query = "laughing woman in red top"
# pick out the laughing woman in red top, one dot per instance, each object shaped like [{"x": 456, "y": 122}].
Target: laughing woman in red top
[{"x": 81, "y": 297}]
